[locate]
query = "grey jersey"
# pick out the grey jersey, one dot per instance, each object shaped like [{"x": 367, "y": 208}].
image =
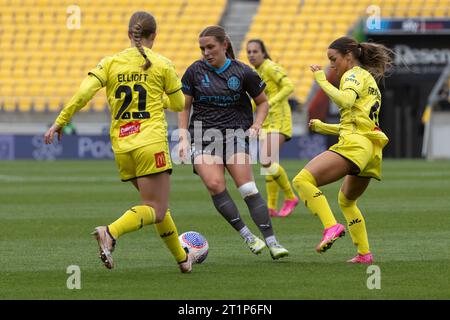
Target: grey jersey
[{"x": 221, "y": 96}]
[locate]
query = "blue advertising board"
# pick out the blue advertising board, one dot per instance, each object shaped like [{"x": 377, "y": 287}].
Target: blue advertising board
[{"x": 99, "y": 147}]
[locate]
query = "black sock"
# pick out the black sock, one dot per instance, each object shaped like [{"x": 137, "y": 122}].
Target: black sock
[
  {"x": 227, "y": 208},
  {"x": 260, "y": 214}
]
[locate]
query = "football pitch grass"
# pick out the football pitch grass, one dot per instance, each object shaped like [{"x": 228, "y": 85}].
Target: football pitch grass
[{"x": 49, "y": 209}]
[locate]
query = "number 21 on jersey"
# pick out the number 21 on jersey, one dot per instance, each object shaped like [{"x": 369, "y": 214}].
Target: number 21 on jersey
[{"x": 142, "y": 102}]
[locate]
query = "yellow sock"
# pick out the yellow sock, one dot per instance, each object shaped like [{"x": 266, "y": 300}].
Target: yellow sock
[
  {"x": 132, "y": 220},
  {"x": 169, "y": 234},
  {"x": 272, "y": 193},
  {"x": 313, "y": 198},
  {"x": 355, "y": 222},
  {"x": 281, "y": 178}
]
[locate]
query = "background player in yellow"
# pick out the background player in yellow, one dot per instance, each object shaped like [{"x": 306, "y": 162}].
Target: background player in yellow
[
  {"x": 137, "y": 82},
  {"x": 277, "y": 127},
  {"x": 357, "y": 155}
]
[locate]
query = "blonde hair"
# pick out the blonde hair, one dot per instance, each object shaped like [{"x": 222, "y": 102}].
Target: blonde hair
[{"x": 142, "y": 25}]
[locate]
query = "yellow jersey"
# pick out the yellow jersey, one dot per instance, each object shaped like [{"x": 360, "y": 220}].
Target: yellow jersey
[
  {"x": 362, "y": 116},
  {"x": 278, "y": 85},
  {"x": 135, "y": 97}
]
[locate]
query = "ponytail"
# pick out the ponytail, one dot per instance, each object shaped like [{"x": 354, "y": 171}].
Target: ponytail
[
  {"x": 230, "y": 51},
  {"x": 137, "y": 36},
  {"x": 142, "y": 24},
  {"x": 375, "y": 58}
]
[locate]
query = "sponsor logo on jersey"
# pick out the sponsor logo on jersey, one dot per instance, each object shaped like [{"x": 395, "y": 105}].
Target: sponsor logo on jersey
[
  {"x": 351, "y": 78},
  {"x": 205, "y": 81},
  {"x": 220, "y": 100},
  {"x": 129, "y": 129},
  {"x": 160, "y": 159},
  {"x": 234, "y": 83}
]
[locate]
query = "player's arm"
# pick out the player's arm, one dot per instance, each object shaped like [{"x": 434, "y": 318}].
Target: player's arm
[
  {"x": 343, "y": 98},
  {"x": 188, "y": 89},
  {"x": 183, "y": 122},
  {"x": 323, "y": 128},
  {"x": 183, "y": 116},
  {"x": 174, "y": 97},
  {"x": 174, "y": 101},
  {"x": 286, "y": 85},
  {"x": 262, "y": 109},
  {"x": 254, "y": 86},
  {"x": 88, "y": 88}
]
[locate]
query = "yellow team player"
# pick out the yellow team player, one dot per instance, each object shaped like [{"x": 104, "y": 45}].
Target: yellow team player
[
  {"x": 277, "y": 127},
  {"x": 357, "y": 155},
  {"x": 136, "y": 81}
]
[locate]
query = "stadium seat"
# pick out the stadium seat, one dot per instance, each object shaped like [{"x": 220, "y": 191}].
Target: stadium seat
[
  {"x": 9, "y": 104},
  {"x": 36, "y": 44},
  {"x": 54, "y": 59}
]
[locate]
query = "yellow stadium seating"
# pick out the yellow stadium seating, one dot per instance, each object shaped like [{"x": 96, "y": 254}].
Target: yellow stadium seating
[
  {"x": 41, "y": 51},
  {"x": 49, "y": 59}
]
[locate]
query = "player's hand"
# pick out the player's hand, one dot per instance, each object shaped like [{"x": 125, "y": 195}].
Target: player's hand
[
  {"x": 313, "y": 124},
  {"x": 254, "y": 130},
  {"x": 315, "y": 67},
  {"x": 183, "y": 150},
  {"x": 48, "y": 137}
]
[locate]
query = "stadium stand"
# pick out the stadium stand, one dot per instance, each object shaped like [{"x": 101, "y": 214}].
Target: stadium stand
[
  {"x": 297, "y": 33},
  {"x": 45, "y": 56},
  {"x": 43, "y": 60}
]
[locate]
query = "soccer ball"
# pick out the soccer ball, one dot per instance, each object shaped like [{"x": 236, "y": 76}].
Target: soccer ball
[{"x": 195, "y": 244}]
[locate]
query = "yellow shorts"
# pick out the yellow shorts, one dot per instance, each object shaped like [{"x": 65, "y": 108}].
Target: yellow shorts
[
  {"x": 365, "y": 154},
  {"x": 279, "y": 122},
  {"x": 143, "y": 161}
]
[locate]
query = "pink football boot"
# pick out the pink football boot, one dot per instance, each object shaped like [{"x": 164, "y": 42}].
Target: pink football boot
[
  {"x": 288, "y": 207},
  {"x": 273, "y": 213},
  {"x": 330, "y": 235},
  {"x": 362, "y": 258}
]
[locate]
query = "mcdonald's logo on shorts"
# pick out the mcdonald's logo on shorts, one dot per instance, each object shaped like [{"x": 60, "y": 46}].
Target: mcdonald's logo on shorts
[{"x": 160, "y": 159}]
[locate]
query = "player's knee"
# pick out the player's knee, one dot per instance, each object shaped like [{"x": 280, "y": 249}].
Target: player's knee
[
  {"x": 344, "y": 202},
  {"x": 160, "y": 215},
  {"x": 215, "y": 186},
  {"x": 272, "y": 169},
  {"x": 248, "y": 189},
  {"x": 265, "y": 165},
  {"x": 304, "y": 176},
  {"x": 160, "y": 210}
]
